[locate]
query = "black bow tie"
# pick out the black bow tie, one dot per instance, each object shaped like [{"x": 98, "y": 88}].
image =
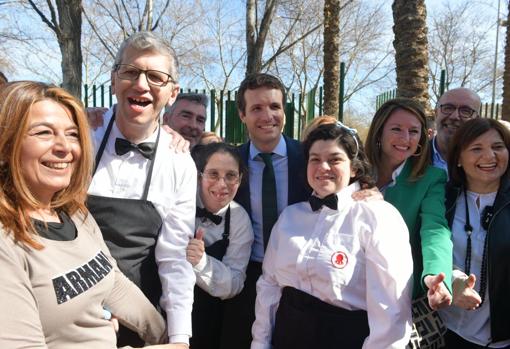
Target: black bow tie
[
  {"x": 122, "y": 146},
  {"x": 203, "y": 213},
  {"x": 330, "y": 201}
]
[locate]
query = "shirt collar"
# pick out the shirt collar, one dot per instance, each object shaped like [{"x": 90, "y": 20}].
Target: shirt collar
[
  {"x": 345, "y": 195},
  {"x": 394, "y": 176},
  {"x": 115, "y": 133},
  {"x": 437, "y": 159},
  {"x": 280, "y": 149}
]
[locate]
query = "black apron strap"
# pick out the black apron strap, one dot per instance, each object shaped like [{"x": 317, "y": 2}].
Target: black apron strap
[
  {"x": 219, "y": 248},
  {"x": 151, "y": 167},
  {"x": 104, "y": 141},
  {"x": 207, "y": 315},
  {"x": 100, "y": 151}
]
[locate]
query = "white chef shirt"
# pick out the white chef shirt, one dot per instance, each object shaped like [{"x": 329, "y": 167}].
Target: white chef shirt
[
  {"x": 473, "y": 325},
  {"x": 377, "y": 276},
  {"x": 225, "y": 278},
  {"x": 173, "y": 192}
]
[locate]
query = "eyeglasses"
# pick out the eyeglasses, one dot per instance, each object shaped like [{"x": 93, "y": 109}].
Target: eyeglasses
[
  {"x": 465, "y": 112},
  {"x": 229, "y": 178},
  {"x": 154, "y": 77},
  {"x": 353, "y": 132}
]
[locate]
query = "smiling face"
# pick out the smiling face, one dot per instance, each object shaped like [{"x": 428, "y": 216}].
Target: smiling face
[
  {"x": 216, "y": 191},
  {"x": 484, "y": 161},
  {"x": 138, "y": 103},
  {"x": 50, "y": 149},
  {"x": 264, "y": 117},
  {"x": 188, "y": 119},
  {"x": 400, "y": 137},
  {"x": 446, "y": 125},
  {"x": 329, "y": 168}
]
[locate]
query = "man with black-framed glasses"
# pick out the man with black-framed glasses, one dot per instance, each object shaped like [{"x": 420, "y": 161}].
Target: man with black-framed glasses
[
  {"x": 453, "y": 108},
  {"x": 143, "y": 193}
]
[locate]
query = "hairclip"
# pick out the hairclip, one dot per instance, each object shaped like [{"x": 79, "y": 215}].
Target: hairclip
[{"x": 353, "y": 132}]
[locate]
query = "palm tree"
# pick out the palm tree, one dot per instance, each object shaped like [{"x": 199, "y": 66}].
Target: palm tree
[
  {"x": 411, "y": 50},
  {"x": 331, "y": 56},
  {"x": 505, "y": 110}
]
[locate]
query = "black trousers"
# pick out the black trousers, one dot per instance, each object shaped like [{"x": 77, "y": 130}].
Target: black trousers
[
  {"x": 239, "y": 312},
  {"x": 454, "y": 341},
  {"x": 304, "y": 321}
]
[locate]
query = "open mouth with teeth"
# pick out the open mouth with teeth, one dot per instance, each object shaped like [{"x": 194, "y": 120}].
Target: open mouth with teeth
[
  {"x": 142, "y": 102},
  {"x": 487, "y": 167},
  {"x": 57, "y": 165},
  {"x": 401, "y": 147}
]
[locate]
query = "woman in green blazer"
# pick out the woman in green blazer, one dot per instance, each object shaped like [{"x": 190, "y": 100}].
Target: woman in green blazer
[{"x": 397, "y": 147}]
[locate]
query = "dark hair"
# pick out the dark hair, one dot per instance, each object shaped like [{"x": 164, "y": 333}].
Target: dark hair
[
  {"x": 199, "y": 98},
  {"x": 254, "y": 81},
  {"x": 350, "y": 142},
  {"x": 421, "y": 160},
  {"x": 464, "y": 136},
  {"x": 201, "y": 153}
]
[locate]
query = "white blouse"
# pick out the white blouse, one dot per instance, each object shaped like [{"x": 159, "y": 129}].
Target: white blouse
[
  {"x": 473, "y": 325},
  {"x": 225, "y": 278},
  {"x": 374, "y": 273}
]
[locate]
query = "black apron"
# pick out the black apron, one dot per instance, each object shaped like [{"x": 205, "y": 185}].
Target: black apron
[
  {"x": 304, "y": 321},
  {"x": 130, "y": 228},
  {"x": 207, "y": 315}
]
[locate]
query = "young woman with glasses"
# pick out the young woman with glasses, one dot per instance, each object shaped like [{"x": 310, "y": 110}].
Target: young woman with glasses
[{"x": 221, "y": 248}]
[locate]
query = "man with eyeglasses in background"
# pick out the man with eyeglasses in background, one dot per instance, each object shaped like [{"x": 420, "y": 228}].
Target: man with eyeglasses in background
[
  {"x": 453, "y": 108},
  {"x": 143, "y": 193}
]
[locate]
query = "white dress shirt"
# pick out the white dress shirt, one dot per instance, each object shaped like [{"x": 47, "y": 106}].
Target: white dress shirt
[
  {"x": 173, "y": 193},
  {"x": 225, "y": 278},
  {"x": 256, "y": 169},
  {"x": 377, "y": 275},
  {"x": 472, "y": 325}
]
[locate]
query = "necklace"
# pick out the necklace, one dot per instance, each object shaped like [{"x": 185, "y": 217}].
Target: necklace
[{"x": 485, "y": 220}]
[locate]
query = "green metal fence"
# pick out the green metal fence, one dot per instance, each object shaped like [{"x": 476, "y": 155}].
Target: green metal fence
[
  {"x": 222, "y": 112},
  {"x": 487, "y": 110}
]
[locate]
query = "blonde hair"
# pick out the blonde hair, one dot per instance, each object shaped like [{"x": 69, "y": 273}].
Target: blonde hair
[
  {"x": 16, "y": 199},
  {"x": 316, "y": 122}
]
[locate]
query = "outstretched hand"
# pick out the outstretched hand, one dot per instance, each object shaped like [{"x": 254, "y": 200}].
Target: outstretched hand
[
  {"x": 464, "y": 293},
  {"x": 437, "y": 294},
  {"x": 196, "y": 248}
]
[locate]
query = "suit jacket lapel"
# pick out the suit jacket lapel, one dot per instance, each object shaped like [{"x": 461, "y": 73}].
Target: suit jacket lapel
[{"x": 243, "y": 193}]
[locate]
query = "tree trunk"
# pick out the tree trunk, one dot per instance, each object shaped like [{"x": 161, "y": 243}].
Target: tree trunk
[
  {"x": 256, "y": 36},
  {"x": 69, "y": 40},
  {"x": 411, "y": 50},
  {"x": 67, "y": 29},
  {"x": 505, "y": 110},
  {"x": 331, "y": 56}
]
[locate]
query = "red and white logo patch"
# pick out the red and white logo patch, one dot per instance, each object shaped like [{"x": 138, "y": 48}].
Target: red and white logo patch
[{"x": 339, "y": 259}]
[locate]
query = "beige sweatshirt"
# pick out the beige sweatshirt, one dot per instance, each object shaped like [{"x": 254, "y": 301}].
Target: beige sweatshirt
[{"x": 54, "y": 297}]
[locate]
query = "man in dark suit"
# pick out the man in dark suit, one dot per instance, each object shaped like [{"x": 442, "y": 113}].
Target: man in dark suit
[{"x": 260, "y": 102}]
